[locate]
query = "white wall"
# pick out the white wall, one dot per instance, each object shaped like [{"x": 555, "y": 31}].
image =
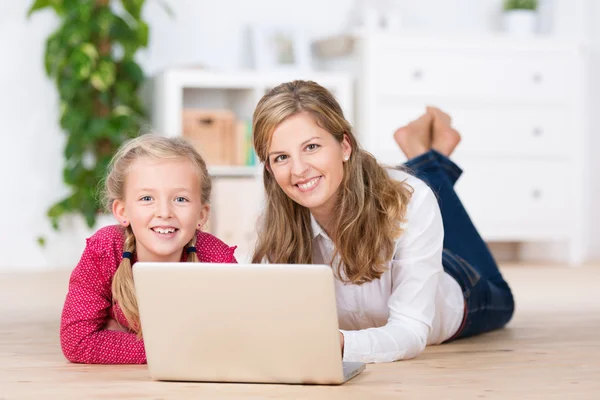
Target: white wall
[{"x": 208, "y": 33}]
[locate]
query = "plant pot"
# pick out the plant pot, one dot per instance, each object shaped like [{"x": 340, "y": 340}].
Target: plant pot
[{"x": 520, "y": 22}]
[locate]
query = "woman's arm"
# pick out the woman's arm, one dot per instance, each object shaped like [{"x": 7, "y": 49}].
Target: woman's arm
[
  {"x": 415, "y": 270},
  {"x": 83, "y": 334}
]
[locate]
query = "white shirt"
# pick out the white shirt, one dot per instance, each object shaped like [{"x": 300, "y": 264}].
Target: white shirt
[{"x": 414, "y": 303}]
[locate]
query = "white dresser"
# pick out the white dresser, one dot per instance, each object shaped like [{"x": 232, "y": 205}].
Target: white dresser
[{"x": 519, "y": 105}]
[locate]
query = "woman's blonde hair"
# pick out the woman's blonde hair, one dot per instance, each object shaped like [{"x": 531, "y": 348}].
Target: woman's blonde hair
[
  {"x": 370, "y": 205},
  {"x": 158, "y": 147}
]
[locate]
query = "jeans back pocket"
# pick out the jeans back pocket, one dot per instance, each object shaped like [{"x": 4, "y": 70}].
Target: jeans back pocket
[{"x": 466, "y": 276}]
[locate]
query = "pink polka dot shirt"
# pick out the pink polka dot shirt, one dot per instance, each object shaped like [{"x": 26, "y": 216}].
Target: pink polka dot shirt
[{"x": 89, "y": 305}]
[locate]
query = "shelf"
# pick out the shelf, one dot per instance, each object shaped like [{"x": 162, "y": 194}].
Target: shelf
[
  {"x": 234, "y": 171},
  {"x": 176, "y": 89}
]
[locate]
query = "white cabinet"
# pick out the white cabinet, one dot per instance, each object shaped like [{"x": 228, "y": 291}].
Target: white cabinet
[
  {"x": 519, "y": 105},
  {"x": 237, "y": 190}
]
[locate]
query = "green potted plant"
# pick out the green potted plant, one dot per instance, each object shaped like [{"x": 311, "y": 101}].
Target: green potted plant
[
  {"x": 520, "y": 16},
  {"x": 91, "y": 59}
]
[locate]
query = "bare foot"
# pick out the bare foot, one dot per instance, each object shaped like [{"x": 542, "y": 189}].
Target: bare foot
[
  {"x": 445, "y": 138},
  {"x": 414, "y": 139}
]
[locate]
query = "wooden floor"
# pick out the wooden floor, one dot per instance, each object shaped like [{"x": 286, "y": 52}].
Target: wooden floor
[{"x": 551, "y": 350}]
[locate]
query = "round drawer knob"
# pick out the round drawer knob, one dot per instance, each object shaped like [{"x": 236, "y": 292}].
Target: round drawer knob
[
  {"x": 536, "y": 194},
  {"x": 417, "y": 74},
  {"x": 537, "y": 131},
  {"x": 537, "y": 77}
]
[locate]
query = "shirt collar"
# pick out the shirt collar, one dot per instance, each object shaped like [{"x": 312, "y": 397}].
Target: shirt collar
[{"x": 316, "y": 228}]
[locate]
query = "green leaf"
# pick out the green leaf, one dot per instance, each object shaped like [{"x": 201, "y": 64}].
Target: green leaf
[
  {"x": 103, "y": 22},
  {"x": 133, "y": 7},
  {"x": 143, "y": 32},
  {"x": 85, "y": 10},
  {"x": 90, "y": 217},
  {"x": 72, "y": 174},
  {"x": 105, "y": 98},
  {"x": 38, "y": 5},
  {"x": 121, "y": 30},
  {"x": 73, "y": 120},
  {"x": 520, "y": 5},
  {"x": 72, "y": 149},
  {"x": 83, "y": 60},
  {"x": 41, "y": 241},
  {"x": 89, "y": 50},
  {"x": 58, "y": 210},
  {"x": 132, "y": 71},
  {"x": 68, "y": 88},
  {"x": 124, "y": 90},
  {"x": 104, "y": 77},
  {"x": 55, "y": 55},
  {"x": 74, "y": 32},
  {"x": 97, "y": 128}
]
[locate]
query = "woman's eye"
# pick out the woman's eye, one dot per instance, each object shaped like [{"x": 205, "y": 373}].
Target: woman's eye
[
  {"x": 312, "y": 146},
  {"x": 180, "y": 199},
  {"x": 146, "y": 198},
  {"x": 280, "y": 158}
]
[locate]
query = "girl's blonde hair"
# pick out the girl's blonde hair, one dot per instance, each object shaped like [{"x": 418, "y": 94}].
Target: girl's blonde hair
[
  {"x": 370, "y": 205},
  {"x": 158, "y": 147}
]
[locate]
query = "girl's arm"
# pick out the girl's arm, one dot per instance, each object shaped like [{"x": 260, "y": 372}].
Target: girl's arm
[
  {"x": 415, "y": 270},
  {"x": 83, "y": 336}
]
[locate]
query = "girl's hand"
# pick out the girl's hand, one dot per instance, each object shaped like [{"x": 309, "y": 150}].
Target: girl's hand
[{"x": 113, "y": 325}]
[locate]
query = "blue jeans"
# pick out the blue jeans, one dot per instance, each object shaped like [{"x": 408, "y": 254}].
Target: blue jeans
[{"x": 489, "y": 303}]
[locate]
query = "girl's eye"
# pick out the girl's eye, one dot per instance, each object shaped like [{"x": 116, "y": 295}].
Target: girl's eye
[
  {"x": 146, "y": 198},
  {"x": 312, "y": 146},
  {"x": 180, "y": 199},
  {"x": 280, "y": 158}
]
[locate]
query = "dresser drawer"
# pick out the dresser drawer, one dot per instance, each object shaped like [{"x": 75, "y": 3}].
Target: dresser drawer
[
  {"x": 516, "y": 200},
  {"x": 504, "y": 76},
  {"x": 508, "y": 198},
  {"x": 535, "y": 132},
  {"x": 486, "y": 131}
]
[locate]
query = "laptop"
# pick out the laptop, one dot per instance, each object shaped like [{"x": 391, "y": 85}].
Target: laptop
[{"x": 258, "y": 323}]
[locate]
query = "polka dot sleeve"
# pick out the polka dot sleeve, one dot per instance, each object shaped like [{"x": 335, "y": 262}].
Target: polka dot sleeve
[{"x": 88, "y": 306}]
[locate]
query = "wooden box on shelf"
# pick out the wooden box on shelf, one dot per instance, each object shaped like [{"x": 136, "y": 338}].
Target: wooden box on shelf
[{"x": 213, "y": 133}]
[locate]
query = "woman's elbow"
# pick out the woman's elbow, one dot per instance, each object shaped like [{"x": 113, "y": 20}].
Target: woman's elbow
[
  {"x": 414, "y": 352},
  {"x": 416, "y": 346}
]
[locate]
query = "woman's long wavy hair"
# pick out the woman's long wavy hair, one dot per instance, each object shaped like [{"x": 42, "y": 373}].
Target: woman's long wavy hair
[
  {"x": 370, "y": 205},
  {"x": 157, "y": 147}
]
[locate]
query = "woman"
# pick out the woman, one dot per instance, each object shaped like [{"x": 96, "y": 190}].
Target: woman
[{"x": 411, "y": 269}]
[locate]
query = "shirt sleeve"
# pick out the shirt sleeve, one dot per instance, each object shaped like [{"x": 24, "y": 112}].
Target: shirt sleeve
[
  {"x": 416, "y": 269},
  {"x": 86, "y": 311}
]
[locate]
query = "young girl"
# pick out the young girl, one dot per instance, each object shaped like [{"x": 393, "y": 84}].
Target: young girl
[
  {"x": 401, "y": 284},
  {"x": 158, "y": 189}
]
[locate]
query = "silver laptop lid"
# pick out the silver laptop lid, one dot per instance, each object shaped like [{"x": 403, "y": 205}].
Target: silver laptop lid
[{"x": 239, "y": 322}]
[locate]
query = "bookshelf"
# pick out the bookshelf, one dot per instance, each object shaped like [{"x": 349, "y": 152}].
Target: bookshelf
[
  {"x": 234, "y": 171},
  {"x": 237, "y": 196},
  {"x": 176, "y": 89}
]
